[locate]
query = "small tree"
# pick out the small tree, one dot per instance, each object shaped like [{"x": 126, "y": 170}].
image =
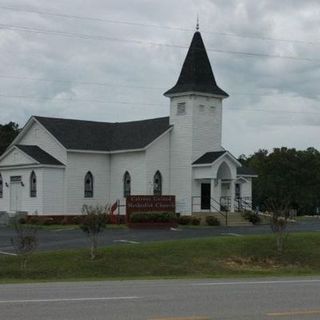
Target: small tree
[
  {"x": 93, "y": 223},
  {"x": 25, "y": 240},
  {"x": 279, "y": 210}
]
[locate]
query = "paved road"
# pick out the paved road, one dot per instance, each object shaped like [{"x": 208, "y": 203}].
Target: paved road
[
  {"x": 164, "y": 300},
  {"x": 64, "y": 239}
]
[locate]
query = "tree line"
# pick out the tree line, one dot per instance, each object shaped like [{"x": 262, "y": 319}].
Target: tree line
[
  {"x": 7, "y": 134},
  {"x": 286, "y": 174}
]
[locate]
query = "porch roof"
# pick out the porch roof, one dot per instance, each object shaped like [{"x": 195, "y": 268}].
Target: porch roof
[{"x": 209, "y": 157}]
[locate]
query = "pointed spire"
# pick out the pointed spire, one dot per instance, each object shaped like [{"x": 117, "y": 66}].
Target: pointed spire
[{"x": 196, "y": 74}]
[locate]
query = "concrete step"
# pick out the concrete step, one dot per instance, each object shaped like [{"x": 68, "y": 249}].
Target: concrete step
[{"x": 234, "y": 218}]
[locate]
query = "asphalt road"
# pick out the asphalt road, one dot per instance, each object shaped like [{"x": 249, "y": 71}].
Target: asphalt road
[
  {"x": 164, "y": 300},
  {"x": 68, "y": 239}
]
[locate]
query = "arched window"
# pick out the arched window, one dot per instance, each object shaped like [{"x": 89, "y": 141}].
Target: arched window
[
  {"x": 33, "y": 185},
  {"x": 126, "y": 184},
  {"x": 157, "y": 184},
  {"x": 1, "y": 186},
  {"x": 88, "y": 185}
]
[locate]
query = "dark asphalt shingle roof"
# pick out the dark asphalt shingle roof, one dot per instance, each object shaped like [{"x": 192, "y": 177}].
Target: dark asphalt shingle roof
[
  {"x": 39, "y": 155},
  {"x": 196, "y": 73},
  {"x": 104, "y": 136},
  {"x": 246, "y": 171},
  {"x": 209, "y": 157}
]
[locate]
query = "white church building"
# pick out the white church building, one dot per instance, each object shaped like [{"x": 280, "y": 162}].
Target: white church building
[{"x": 54, "y": 166}]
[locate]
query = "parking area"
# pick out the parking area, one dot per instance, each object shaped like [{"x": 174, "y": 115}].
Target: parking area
[{"x": 65, "y": 238}]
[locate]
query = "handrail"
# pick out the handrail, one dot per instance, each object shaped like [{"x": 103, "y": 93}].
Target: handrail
[
  {"x": 243, "y": 204},
  {"x": 213, "y": 207}
]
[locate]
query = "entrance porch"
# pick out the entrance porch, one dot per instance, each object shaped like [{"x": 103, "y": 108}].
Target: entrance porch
[{"x": 214, "y": 185}]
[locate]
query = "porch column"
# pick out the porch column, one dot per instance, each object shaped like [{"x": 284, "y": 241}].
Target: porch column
[
  {"x": 215, "y": 193},
  {"x": 232, "y": 194}
]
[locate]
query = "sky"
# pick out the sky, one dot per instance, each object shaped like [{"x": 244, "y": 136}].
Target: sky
[{"x": 113, "y": 60}]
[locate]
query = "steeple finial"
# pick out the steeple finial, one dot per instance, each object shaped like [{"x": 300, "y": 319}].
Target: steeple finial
[{"x": 197, "y": 26}]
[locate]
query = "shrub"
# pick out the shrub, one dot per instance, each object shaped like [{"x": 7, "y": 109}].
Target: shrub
[
  {"x": 48, "y": 221},
  {"x": 22, "y": 220},
  {"x": 251, "y": 217},
  {"x": 77, "y": 220},
  {"x": 33, "y": 220},
  {"x": 93, "y": 223},
  {"x": 195, "y": 221},
  {"x": 212, "y": 221},
  {"x": 184, "y": 220},
  {"x": 64, "y": 221},
  {"x": 149, "y": 217}
]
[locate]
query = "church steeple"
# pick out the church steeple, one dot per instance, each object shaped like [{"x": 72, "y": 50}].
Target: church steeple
[{"x": 196, "y": 74}]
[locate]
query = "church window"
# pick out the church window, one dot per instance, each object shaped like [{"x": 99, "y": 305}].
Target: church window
[
  {"x": 157, "y": 184},
  {"x": 181, "y": 108},
  {"x": 1, "y": 186},
  {"x": 88, "y": 185},
  {"x": 126, "y": 184},
  {"x": 33, "y": 185}
]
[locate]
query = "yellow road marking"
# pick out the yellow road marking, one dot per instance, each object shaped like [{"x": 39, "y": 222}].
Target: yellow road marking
[
  {"x": 181, "y": 318},
  {"x": 293, "y": 313}
]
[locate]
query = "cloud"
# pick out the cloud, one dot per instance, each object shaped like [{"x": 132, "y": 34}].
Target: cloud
[{"x": 100, "y": 79}]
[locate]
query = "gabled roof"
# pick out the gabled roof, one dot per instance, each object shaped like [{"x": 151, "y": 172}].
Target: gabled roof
[
  {"x": 39, "y": 155},
  {"x": 105, "y": 136},
  {"x": 196, "y": 74},
  {"x": 246, "y": 171},
  {"x": 209, "y": 157}
]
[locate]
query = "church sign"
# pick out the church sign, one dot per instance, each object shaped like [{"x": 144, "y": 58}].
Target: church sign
[{"x": 150, "y": 204}]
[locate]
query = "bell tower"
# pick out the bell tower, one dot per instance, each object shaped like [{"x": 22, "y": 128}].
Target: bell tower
[{"x": 196, "y": 115}]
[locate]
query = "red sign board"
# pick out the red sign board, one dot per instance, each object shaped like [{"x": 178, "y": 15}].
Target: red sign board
[{"x": 150, "y": 204}]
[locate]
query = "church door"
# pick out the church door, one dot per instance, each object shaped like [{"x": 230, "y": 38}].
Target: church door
[
  {"x": 15, "y": 194},
  {"x": 205, "y": 196}
]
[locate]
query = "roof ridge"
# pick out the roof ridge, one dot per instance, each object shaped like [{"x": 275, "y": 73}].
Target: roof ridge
[{"x": 95, "y": 121}]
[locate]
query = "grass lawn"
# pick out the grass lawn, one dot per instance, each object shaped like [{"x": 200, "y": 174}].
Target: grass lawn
[{"x": 211, "y": 257}]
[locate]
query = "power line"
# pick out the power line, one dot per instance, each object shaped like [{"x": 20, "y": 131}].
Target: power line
[
  {"x": 148, "y": 104},
  {"x": 141, "y": 42},
  {"x": 79, "y": 100},
  {"x": 148, "y": 25},
  {"x": 106, "y": 84},
  {"x": 90, "y": 83}
]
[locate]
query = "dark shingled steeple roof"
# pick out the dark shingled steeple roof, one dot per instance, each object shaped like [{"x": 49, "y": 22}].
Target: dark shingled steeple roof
[{"x": 196, "y": 74}]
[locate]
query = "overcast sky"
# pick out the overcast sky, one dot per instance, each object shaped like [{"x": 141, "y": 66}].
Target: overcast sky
[{"x": 112, "y": 60}]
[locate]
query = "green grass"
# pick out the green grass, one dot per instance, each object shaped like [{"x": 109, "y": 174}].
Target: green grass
[{"x": 196, "y": 258}]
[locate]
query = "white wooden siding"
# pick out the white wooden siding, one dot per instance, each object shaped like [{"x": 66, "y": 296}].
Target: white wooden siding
[
  {"x": 53, "y": 191},
  {"x": 134, "y": 163},
  {"x": 37, "y": 135},
  {"x": 158, "y": 158},
  {"x": 78, "y": 165},
  {"x": 16, "y": 157}
]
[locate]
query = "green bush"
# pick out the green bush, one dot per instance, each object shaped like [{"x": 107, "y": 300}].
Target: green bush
[
  {"x": 34, "y": 220},
  {"x": 22, "y": 220},
  {"x": 212, "y": 221},
  {"x": 195, "y": 221},
  {"x": 153, "y": 217},
  {"x": 47, "y": 221},
  {"x": 251, "y": 217},
  {"x": 184, "y": 220}
]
